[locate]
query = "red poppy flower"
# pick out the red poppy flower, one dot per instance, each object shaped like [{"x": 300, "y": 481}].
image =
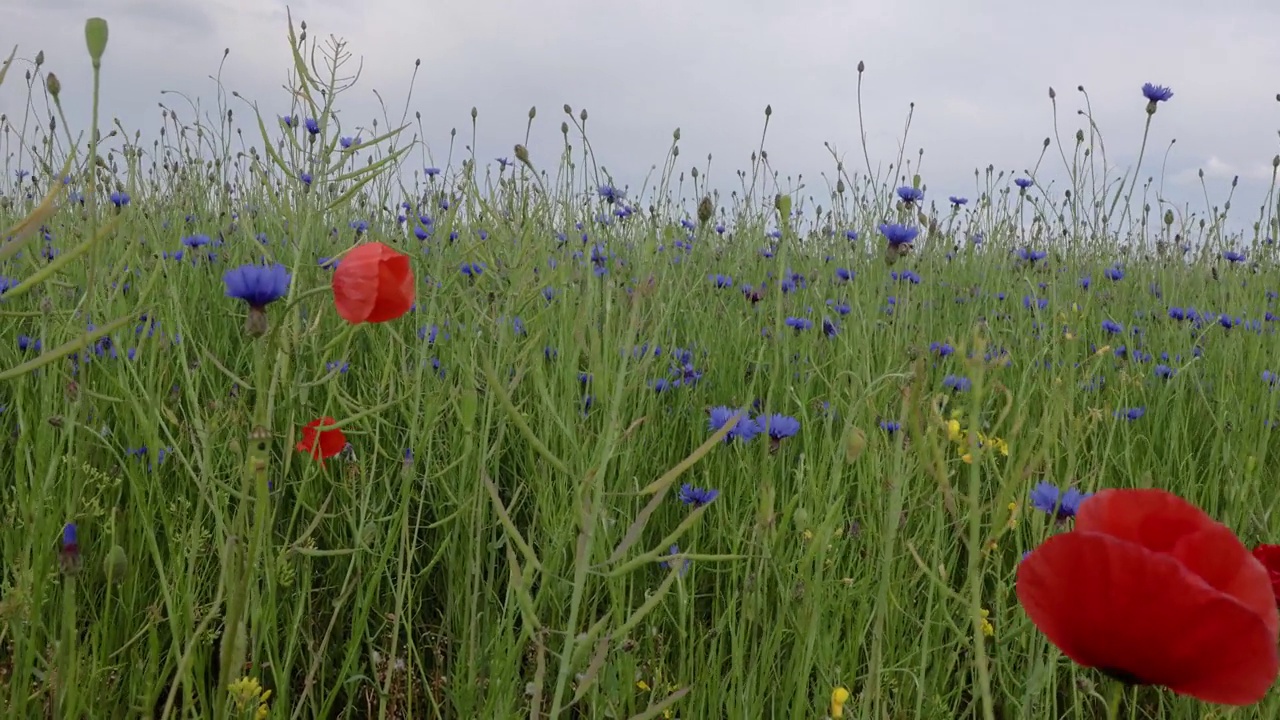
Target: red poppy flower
[
  {"x": 1150, "y": 590},
  {"x": 373, "y": 283},
  {"x": 321, "y": 439},
  {"x": 1269, "y": 556}
]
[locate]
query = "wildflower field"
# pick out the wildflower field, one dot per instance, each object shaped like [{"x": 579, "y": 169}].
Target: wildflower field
[{"x": 293, "y": 428}]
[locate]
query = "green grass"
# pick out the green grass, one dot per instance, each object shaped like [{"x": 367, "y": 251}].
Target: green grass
[{"x": 489, "y": 545}]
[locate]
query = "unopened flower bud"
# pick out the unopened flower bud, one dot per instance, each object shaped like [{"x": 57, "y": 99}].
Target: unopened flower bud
[
  {"x": 53, "y": 85},
  {"x": 95, "y": 39},
  {"x": 705, "y": 209},
  {"x": 116, "y": 565}
]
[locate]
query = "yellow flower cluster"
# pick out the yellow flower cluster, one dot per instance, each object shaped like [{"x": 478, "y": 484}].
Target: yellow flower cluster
[
  {"x": 246, "y": 693},
  {"x": 958, "y": 436}
]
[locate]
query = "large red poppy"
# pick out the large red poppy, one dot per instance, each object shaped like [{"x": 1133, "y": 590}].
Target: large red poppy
[
  {"x": 1151, "y": 590},
  {"x": 1269, "y": 556},
  {"x": 321, "y": 440},
  {"x": 373, "y": 283}
]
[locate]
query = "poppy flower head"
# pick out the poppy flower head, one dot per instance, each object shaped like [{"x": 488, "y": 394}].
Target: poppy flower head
[
  {"x": 1149, "y": 589},
  {"x": 321, "y": 440},
  {"x": 1269, "y": 556},
  {"x": 373, "y": 283}
]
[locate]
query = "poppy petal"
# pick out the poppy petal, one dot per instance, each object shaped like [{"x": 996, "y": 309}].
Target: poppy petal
[
  {"x": 355, "y": 283},
  {"x": 395, "y": 288},
  {"x": 1218, "y": 557},
  {"x": 1140, "y": 615},
  {"x": 1269, "y": 556},
  {"x": 1154, "y": 519}
]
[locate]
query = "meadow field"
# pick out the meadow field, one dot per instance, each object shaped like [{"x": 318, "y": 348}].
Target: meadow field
[{"x": 294, "y": 424}]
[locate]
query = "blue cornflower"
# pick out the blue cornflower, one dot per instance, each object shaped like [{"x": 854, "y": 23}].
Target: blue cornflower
[
  {"x": 119, "y": 199},
  {"x": 1132, "y": 413},
  {"x": 779, "y": 427},
  {"x": 696, "y": 496},
  {"x": 195, "y": 241},
  {"x": 844, "y": 274},
  {"x": 957, "y": 383},
  {"x": 941, "y": 349},
  {"x": 1156, "y": 94},
  {"x": 7, "y": 284},
  {"x": 744, "y": 430},
  {"x": 1047, "y": 498},
  {"x": 1114, "y": 273},
  {"x": 890, "y": 426},
  {"x": 312, "y": 126},
  {"x": 1233, "y": 256},
  {"x": 684, "y": 567},
  {"x": 610, "y": 194},
  {"x": 257, "y": 285},
  {"x": 958, "y": 201},
  {"x": 721, "y": 281},
  {"x": 1164, "y": 371},
  {"x": 69, "y": 553},
  {"x": 799, "y": 323},
  {"x": 431, "y": 172},
  {"x": 1112, "y": 327},
  {"x": 348, "y": 142},
  {"x": 899, "y": 234},
  {"x": 910, "y": 194},
  {"x": 1023, "y": 183},
  {"x": 472, "y": 270}
]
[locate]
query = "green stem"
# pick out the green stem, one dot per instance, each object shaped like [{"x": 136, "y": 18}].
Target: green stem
[{"x": 1113, "y": 701}]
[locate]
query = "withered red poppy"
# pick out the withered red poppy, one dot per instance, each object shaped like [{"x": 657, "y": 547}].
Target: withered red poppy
[
  {"x": 1269, "y": 556},
  {"x": 373, "y": 283},
  {"x": 321, "y": 439},
  {"x": 1150, "y": 590}
]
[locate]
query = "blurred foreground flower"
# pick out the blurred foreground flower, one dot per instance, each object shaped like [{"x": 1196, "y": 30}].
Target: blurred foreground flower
[
  {"x": 1152, "y": 591},
  {"x": 1269, "y": 556}
]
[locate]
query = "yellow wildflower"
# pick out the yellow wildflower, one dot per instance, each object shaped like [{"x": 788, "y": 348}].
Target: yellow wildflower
[
  {"x": 246, "y": 692},
  {"x": 839, "y": 697},
  {"x": 1013, "y": 515},
  {"x": 953, "y": 431},
  {"x": 643, "y": 686},
  {"x": 987, "y": 628},
  {"x": 1000, "y": 445}
]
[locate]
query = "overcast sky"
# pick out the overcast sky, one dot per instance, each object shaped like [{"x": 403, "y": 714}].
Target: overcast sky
[{"x": 978, "y": 74}]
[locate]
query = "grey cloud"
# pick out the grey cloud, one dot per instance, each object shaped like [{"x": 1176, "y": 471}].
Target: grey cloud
[{"x": 977, "y": 73}]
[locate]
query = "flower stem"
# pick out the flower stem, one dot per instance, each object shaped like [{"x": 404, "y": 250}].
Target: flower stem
[{"x": 1113, "y": 702}]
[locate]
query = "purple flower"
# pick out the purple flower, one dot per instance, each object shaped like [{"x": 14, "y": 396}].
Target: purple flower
[
  {"x": 745, "y": 430},
  {"x": 257, "y": 285},
  {"x": 910, "y": 194},
  {"x": 1047, "y": 498},
  {"x": 1156, "y": 93},
  {"x": 899, "y": 234},
  {"x": 696, "y": 496}
]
